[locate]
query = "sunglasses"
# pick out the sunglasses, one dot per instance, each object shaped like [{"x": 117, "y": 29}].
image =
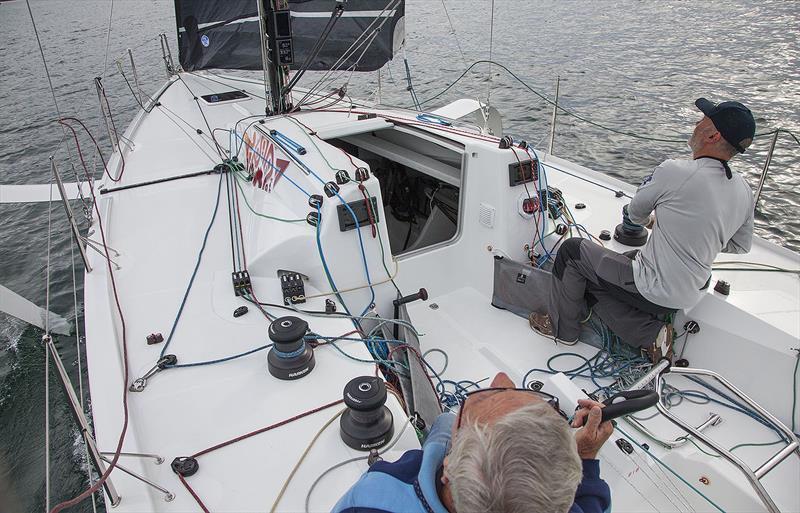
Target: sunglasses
[{"x": 486, "y": 393}]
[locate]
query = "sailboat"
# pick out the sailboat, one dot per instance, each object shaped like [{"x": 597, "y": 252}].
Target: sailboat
[{"x": 264, "y": 260}]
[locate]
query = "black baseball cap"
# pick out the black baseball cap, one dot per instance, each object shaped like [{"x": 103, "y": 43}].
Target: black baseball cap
[{"x": 733, "y": 120}]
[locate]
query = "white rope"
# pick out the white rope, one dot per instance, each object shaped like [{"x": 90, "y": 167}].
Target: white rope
[{"x": 654, "y": 480}]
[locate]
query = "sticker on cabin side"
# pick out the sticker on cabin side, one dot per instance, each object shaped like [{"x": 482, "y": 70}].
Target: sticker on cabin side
[{"x": 262, "y": 164}]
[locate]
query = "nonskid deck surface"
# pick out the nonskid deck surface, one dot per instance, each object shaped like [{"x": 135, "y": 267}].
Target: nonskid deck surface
[{"x": 159, "y": 230}]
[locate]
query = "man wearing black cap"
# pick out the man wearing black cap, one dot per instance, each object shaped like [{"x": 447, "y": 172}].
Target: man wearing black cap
[{"x": 696, "y": 208}]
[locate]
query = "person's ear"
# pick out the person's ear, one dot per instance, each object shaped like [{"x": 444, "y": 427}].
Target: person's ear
[{"x": 714, "y": 137}]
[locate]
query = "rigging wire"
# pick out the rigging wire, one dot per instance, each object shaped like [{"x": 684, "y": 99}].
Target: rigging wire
[
  {"x": 203, "y": 114},
  {"x": 455, "y": 34},
  {"x": 491, "y": 48},
  {"x": 46, "y": 340},
  {"x": 125, "y": 364},
  {"x": 108, "y": 37},
  {"x": 354, "y": 47},
  {"x": 673, "y": 472},
  {"x": 578, "y": 116},
  {"x": 80, "y": 366}
]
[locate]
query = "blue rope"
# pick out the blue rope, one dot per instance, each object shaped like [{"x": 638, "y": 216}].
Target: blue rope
[
  {"x": 737, "y": 406},
  {"x": 544, "y": 209},
  {"x": 349, "y": 209},
  {"x": 219, "y": 360},
  {"x": 273, "y": 166},
  {"x": 328, "y": 271},
  {"x": 196, "y": 267}
]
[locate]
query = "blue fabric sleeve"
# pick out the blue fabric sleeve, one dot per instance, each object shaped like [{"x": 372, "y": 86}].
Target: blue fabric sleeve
[{"x": 593, "y": 495}]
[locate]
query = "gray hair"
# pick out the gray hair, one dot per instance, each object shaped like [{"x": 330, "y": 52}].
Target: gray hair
[{"x": 527, "y": 461}]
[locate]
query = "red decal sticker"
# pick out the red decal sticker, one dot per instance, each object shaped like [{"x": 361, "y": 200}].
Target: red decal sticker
[{"x": 261, "y": 162}]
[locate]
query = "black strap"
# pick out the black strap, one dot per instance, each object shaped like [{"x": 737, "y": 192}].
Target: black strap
[
  {"x": 724, "y": 163},
  {"x": 421, "y": 497}
]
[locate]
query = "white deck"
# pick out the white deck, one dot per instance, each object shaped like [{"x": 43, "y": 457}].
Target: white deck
[{"x": 158, "y": 231}]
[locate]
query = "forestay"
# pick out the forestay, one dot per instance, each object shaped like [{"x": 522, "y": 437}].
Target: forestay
[{"x": 225, "y": 34}]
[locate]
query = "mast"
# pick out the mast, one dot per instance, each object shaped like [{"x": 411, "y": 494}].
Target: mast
[{"x": 276, "y": 51}]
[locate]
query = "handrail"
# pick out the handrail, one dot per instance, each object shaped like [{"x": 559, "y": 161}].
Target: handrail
[
  {"x": 166, "y": 55},
  {"x": 555, "y": 113},
  {"x": 70, "y": 216},
  {"x": 766, "y": 167},
  {"x": 754, "y": 477},
  {"x": 712, "y": 420}
]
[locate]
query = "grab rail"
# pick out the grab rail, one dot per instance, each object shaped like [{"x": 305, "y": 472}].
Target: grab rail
[
  {"x": 766, "y": 167},
  {"x": 753, "y": 476}
]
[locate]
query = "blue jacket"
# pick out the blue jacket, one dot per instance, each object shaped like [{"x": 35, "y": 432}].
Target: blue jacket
[{"x": 409, "y": 484}]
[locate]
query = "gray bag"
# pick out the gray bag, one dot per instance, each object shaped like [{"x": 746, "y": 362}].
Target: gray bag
[{"x": 519, "y": 287}]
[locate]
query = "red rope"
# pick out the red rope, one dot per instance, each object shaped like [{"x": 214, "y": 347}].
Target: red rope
[
  {"x": 193, "y": 494},
  {"x": 265, "y": 429},
  {"x": 244, "y": 437},
  {"x": 89, "y": 491},
  {"x": 422, "y": 363},
  {"x": 368, "y": 204},
  {"x": 94, "y": 141}
]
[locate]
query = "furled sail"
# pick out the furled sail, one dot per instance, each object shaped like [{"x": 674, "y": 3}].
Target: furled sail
[{"x": 224, "y": 34}]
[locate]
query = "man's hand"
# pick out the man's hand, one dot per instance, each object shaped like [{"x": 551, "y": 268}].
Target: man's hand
[
  {"x": 593, "y": 435},
  {"x": 650, "y": 222}
]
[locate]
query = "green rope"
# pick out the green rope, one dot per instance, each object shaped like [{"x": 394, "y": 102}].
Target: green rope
[
  {"x": 703, "y": 450},
  {"x": 765, "y": 444},
  {"x": 657, "y": 460},
  {"x": 265, "y": 216}
]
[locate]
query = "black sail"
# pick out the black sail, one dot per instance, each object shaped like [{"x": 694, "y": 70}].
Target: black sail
[{"x": 224, "y": 34}]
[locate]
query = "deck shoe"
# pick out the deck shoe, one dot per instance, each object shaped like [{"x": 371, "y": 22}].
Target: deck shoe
[
  {"x": 661, "y": 347},
  {"x": 541, "y": 324}
]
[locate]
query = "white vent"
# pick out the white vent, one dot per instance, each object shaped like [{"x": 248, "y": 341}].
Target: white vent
[{"x": 486, "y": 215}]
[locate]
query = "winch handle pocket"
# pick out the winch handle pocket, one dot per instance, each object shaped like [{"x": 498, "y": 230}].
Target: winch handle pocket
[{"x": 627, "y": 402}]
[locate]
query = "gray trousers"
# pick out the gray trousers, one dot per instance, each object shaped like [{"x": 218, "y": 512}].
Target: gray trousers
[{"x": 589, "y": 276}]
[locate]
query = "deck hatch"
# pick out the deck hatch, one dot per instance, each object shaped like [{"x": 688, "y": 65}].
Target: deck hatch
[{"x": 226, "y": 96}]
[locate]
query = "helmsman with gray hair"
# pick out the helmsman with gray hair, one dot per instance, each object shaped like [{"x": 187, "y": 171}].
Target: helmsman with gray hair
[{"x": 508, "y": 450}]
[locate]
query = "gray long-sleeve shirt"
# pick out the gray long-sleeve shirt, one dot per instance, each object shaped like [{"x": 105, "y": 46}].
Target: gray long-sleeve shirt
[{"x": 699, "y": 212}]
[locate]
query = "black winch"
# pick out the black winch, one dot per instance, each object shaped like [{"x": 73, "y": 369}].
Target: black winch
[
  {"x": 290, "y": 357},
  {"x": 367, "y": 423}
]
